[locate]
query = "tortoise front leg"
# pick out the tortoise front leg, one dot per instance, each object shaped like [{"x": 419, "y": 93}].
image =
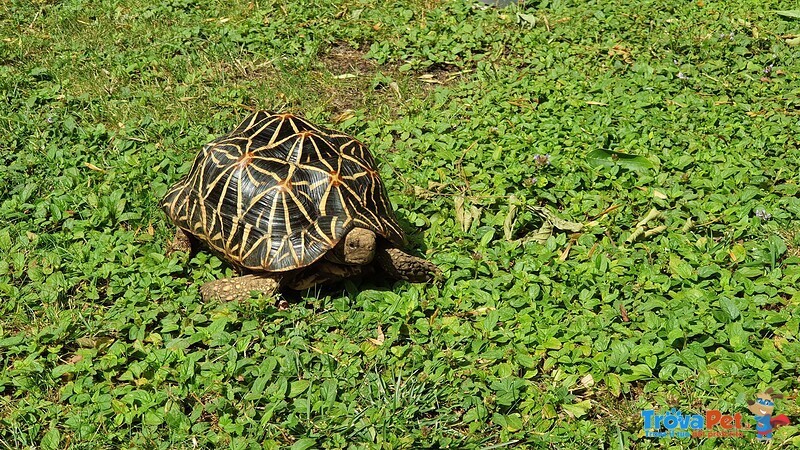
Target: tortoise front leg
[
  {"x": 239, "y": 288},
  {"x": 182, "y": 242},
  {"x": 402, "y": 266}
]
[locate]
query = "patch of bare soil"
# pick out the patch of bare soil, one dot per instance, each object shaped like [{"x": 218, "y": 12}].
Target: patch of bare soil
[
  {"x": 354, "y": 84},
  {"x": 342, "y": 59},
  {"x": 352, "y": 75}
]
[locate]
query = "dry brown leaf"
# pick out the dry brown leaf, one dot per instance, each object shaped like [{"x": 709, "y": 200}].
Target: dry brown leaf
[
  {"x": 660, "y": 195},
  {"x": 428, "y": 78},
  {"x": 381, "y": 338},
  {"x": 619, "y": 50},
  {"x": 344, "y": 115},
  {"x": 93, "y": 167}
]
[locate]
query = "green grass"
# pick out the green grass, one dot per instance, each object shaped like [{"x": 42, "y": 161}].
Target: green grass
[{"x": 689, "y": 108}]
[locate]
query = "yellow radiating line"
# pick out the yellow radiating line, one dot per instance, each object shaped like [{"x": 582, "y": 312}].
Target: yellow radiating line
[
  {"x": 318, "y": 183},
  {"x": 221, "y": 200},
  {"x": 297, "y": 147},
  {"x": 333, "y": 225},
  {"x": 322, "y": 234},
  {"x": 323, "y": 201},
  {"x": 257, "y": 198},
  {"x": 341, "y": 197},
  {"x": 292, "y": 124},
  {"x": 223, "y": 172},
  {"x": 300, "y": 206},
  {"x": 274, "y": 144},
  {"x": 245, "y": 237},
  {"x": 248, "y": 171},
  {"x": 268, "y": 172},
  {"x": 315, "y": 169},
  {"x": 355, "y": 159},
  {"x": 272, "y": 213},
  {"x": 308, "y": 197},
  {"x": 302, "y": 247},
  {"x": 239, "y": 194},
  {"x": 259, "y": 218},
  {"x": 320, "y": 158},
  {"x": 349, "y": 189},
  {"x": 310, "y": 125},
  {"x": 280, "y": 254},
  {"x": 270, "y": 254},
  {"x": 267, "y": 122},
  {"x": 289, "y": 231},
  {"x": 231, "y": 233}
]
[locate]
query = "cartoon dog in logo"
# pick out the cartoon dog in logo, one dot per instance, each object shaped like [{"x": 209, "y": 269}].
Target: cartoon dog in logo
[{"x": 762, "y": 409}]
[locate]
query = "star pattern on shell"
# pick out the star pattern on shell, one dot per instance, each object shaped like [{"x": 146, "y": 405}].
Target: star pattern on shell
[{"x": 278, "y": 192}]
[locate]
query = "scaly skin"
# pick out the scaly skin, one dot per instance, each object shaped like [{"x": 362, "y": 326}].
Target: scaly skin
[
  {"x": 239, "y": 288},
  {"x": 180, "y": 243},
  {"x": 399, "y": 264}
]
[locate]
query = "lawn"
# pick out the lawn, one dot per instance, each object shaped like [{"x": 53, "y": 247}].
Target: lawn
[{"x": 612, "y": 190}]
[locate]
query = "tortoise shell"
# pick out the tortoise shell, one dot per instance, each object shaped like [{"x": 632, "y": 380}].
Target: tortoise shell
[{"x": 278, "y": 192}]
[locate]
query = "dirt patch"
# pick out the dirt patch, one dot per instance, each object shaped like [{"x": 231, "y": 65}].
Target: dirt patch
[
  {"x": 350, "y": 81},
  {"x": 440, "y": 73},
  {"x": 346, "y": 79},
  {"x": 342, "y": 59}
]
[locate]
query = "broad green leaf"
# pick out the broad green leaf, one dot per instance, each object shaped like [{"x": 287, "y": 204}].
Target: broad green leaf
[
  {"x": 614, "y": 384},
  {"x": 750, "y": 272},
  {"x": 5, "y": 240},
  {"x": 176, "y": 419},
  {"x": 738, "y": 253},
  {"x": 737, "y": 337},
  {"x": 681, "y": 268},
  {"x": 298, "y": 387},
  {"x": 51, "y": 440},
  {"x": 514, "y": 422},
  {"x": 475, "y": 413},
  {"x": 527, "y": 360},
  {"x": 729, "y": 306},
  {"x": 552, "y": 343},
  {"x": 619, "y": 354},
  {"x": 608, "y": 158},
  {"x": 792, "y": 13},
  {"x": 487, "y": 238},
  {"x": 12, "y": 341},
  {"x": 304, "y": 444},
  {"x": 530, "y": 19},
  {"x": 578, "y": 409}
]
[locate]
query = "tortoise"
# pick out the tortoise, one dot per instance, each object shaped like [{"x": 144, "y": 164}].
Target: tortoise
[{"x": 288, "y": 204}]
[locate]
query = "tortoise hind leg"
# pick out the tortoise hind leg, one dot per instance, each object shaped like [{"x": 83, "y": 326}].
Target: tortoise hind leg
[
  {"x": 182, "y": 242},
  {"x": 402, "y": 266},
  {"x": 239, "y": 288}
]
